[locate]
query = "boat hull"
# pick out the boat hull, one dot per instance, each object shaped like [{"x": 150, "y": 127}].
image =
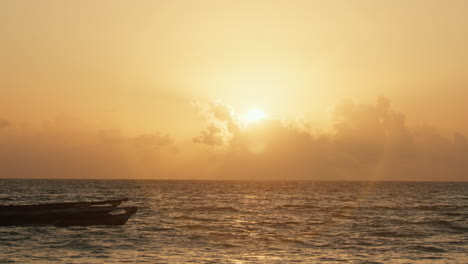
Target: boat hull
[{"x": 65, "y": 215}]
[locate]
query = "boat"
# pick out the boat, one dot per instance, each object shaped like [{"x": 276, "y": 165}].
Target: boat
[{"x": 105, "y": 212}]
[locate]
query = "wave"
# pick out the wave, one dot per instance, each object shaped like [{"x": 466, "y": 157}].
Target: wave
[
  {"x": 224, "y": 209},
  {"x": 309, "y": 206},
  {"x": 292, "y": 241},
  {"x": 227, "y": 245},
  {"x": 447, "y": 224},
  {"x": 156, "y": 229},
  {"x": 278, "y": 224},
  {"x": 193, "y": 227},
  {"x": 431, "y": 249},
  {"x": 434, "y": 223},
  {"x": 195, "y": 218},
  {"x": 437, "y": 207},
  {"x": 396, "y": 234}
]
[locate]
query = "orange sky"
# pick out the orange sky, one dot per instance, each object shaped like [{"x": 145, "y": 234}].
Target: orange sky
[{"x": 131, "y": 89}]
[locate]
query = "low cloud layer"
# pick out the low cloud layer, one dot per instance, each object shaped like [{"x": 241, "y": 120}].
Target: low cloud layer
[
  {"x": 67, "y": 148},
  {"x": 4, "y": 123},
  {"x": 367, "y": 142}
]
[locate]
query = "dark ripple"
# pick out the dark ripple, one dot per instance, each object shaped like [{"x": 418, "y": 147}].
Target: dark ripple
[
  {"x": 430, "y": 249},
  {"x": 448, "y": 225},
  {"x": 224, "y": 209}
]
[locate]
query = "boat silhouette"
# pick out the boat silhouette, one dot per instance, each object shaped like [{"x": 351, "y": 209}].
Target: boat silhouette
[{"x": 105, "y": 212}]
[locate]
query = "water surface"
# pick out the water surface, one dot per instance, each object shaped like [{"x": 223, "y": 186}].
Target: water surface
[{"x": 248, "y": 222}]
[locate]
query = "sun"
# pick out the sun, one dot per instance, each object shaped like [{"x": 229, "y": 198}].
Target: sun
[{"x": 254, "y": 115}]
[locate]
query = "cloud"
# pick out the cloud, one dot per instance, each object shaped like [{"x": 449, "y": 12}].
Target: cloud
[
  {"x": 4, "y": 123},
  {"x": 72, "y": 149},
  {"x": 154, "y": 140},
  {"x": 367, "y": 142},
  {"x": 222, "y": 125}
]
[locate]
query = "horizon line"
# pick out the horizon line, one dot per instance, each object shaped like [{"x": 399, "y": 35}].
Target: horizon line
[{"x": 231, "y": 180}]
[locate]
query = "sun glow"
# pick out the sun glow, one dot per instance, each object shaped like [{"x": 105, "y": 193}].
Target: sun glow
[{"x": 254, "y": 115}]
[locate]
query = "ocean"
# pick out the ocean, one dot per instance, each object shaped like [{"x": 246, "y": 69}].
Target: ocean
[{"x": 248, "y": 222}]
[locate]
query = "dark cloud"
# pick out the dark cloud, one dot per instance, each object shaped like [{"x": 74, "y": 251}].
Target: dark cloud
[{"x": 212, "y": 135}]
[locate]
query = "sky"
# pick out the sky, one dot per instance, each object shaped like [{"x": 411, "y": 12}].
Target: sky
[{"x": 351, "y": 90}]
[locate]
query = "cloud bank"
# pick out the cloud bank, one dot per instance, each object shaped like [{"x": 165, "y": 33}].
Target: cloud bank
[
  {"x": 4, "y": 123},
  {"x": 68, "y": 148},
  {"x": 367, "y": 142}
]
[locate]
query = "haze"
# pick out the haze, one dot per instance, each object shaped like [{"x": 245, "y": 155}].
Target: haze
[{"x": 351, "y": 90}]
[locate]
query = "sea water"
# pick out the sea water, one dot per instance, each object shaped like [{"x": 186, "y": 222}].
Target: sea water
[{"x": 247, "y": 222}]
